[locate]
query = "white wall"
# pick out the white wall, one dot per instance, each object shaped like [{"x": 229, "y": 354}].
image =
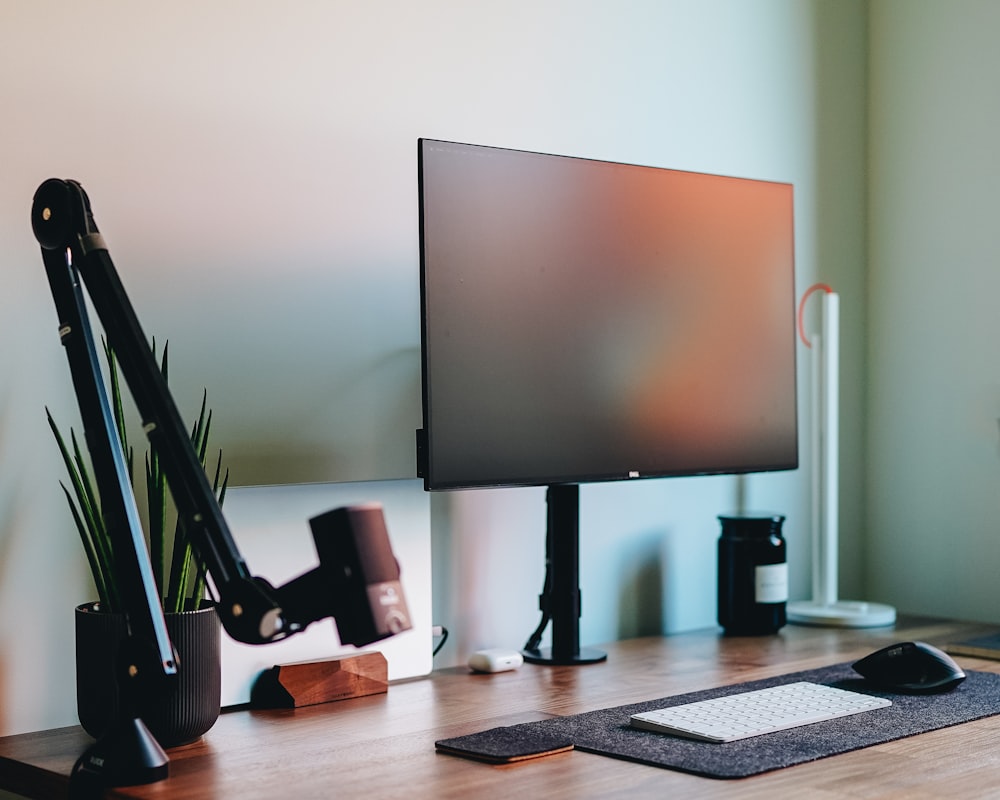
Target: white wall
[
  {"x": 934, "y": 280},
  {"x": 253, "y": 170}
]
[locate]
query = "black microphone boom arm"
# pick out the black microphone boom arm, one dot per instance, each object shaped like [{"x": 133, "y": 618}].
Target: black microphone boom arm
[{"x": 251, "y": 610}]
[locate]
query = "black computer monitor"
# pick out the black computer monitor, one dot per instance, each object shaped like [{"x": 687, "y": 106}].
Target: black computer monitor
[{"x": 591, "y": 321}]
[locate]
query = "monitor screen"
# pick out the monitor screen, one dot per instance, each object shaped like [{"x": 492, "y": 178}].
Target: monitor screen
[{"x": 590, "y": 321}]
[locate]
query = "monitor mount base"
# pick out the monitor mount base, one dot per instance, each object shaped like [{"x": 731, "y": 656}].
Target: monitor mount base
[{"x": 545, "y": 656}]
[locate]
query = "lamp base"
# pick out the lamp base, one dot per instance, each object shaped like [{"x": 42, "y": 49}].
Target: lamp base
[
  {"x": 841, "y": 614},
  {"x": 128, "y": 755}
]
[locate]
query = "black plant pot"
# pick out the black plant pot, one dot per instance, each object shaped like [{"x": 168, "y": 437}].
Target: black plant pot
[{"x": 176, "y": 718}]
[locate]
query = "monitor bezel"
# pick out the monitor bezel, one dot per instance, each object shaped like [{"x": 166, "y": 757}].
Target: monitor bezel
[{"x": 424, "y": 445}]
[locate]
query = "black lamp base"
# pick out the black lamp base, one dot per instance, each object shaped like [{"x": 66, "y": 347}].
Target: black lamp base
[{"x": 127, "y": 755}]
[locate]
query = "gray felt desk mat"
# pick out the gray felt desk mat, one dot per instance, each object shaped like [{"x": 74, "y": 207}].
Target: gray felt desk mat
[{"x": 607, "y": 732}]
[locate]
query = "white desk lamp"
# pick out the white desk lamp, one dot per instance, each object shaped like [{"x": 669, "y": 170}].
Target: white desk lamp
[{"x": 825, "y": 609}]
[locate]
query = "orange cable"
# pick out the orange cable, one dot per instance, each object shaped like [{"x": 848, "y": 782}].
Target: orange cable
[{"x": 802, "y": 305}]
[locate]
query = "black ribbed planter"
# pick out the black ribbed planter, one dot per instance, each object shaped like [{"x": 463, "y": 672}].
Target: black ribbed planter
[{"x": 178, "y": 718}]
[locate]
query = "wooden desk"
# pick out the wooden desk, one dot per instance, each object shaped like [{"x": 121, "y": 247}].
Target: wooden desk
[{"x": 383, "y": 746}]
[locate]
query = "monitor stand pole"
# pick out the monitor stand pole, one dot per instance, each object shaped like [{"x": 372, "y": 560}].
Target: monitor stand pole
[{"x": 560, "y": 600}]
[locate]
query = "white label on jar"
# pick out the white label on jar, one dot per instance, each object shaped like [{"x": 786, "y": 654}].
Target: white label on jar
[{"x": 771, "y": 583}]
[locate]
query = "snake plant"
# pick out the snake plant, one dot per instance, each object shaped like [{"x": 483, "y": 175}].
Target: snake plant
[{"x": 179, "y": 574}]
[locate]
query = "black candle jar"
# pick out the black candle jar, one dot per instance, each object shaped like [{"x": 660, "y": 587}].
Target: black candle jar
[{"x": 753, "y": 574}]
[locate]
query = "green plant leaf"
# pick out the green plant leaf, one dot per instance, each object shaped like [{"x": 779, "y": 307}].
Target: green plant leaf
[
  {"x": 87, "y": 516},
  {"x": 179, "y": 567},
  {"x": 96, "y": 569},
  {"x": 199, "y": 588},
  {"x": 156, "y": 510},
  {"x": 90, "y": 503},
  {"x": 199, "y": 434},
  {"x": 181, "y": 578},
  {"x": 118, "y": 410},
  {"x": 163, "y": 362}
]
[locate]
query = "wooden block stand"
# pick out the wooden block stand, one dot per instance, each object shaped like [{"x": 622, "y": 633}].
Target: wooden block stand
[{"x": 310, "y": 682}]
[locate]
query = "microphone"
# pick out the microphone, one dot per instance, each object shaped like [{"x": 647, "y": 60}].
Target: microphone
[{"x": 353, "y": 543}]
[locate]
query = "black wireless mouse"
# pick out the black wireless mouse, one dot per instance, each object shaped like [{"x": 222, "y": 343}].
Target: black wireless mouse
[{"x": 911, "y": 667}]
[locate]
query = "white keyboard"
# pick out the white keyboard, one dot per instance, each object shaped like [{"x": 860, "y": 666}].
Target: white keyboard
[{"x": 738, "y": 716}]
